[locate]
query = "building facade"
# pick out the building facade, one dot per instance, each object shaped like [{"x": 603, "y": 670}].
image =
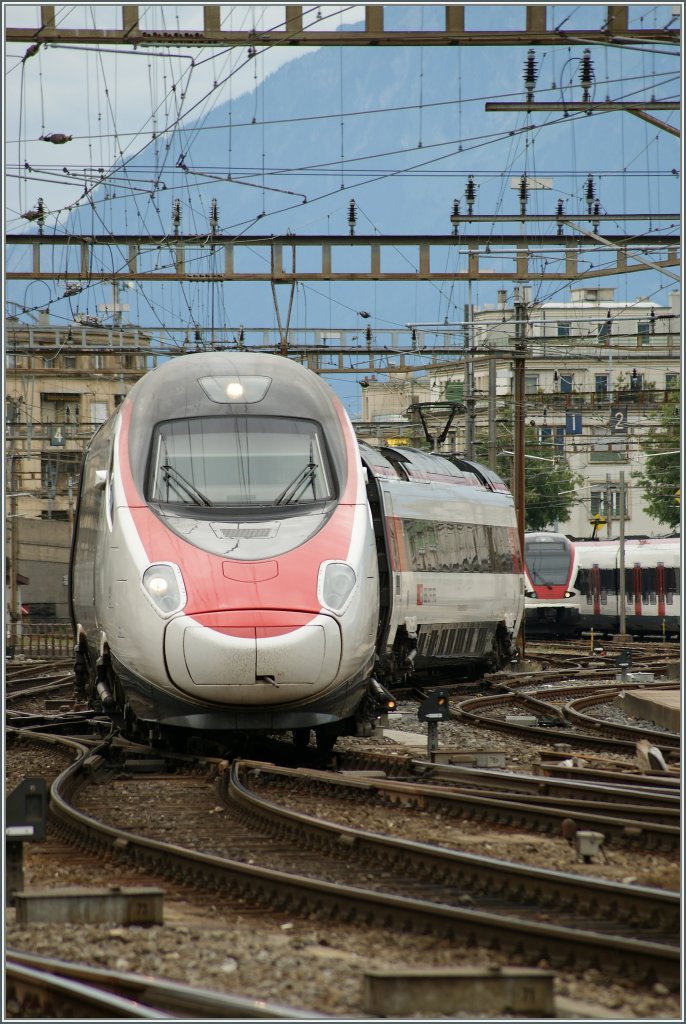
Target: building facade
[
  {"x": 596, "y": 373},
  {"x": 61, "y": 383}
]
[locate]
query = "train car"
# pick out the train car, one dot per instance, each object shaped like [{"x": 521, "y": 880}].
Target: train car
[
  {"x": 236, "y": 569},
  {"x": 552, "y": 597},
  {"x": 651, "y": 579},
  {"x": 450, "y": 566}
]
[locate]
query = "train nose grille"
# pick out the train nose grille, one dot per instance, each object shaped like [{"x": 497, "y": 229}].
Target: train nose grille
[{"x": 243, "y": 664}]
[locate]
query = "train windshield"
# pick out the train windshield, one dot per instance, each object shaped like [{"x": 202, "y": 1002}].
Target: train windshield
[
  {"x": 547, "y": 561},
  {"x": 239, "y": 461}
]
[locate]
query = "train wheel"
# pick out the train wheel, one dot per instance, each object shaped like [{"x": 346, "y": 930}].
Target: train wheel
[
  {"x": 326, "y": 739},
  {"x": 301, "y": 738}
]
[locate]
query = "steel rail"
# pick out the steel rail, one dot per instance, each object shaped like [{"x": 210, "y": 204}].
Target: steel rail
[
  {"x": 178, "y": 999},
  {"x": 55, "y": 997},
  {"x": 543, "y": 814},
  {"x": 573, "y": 711},
  {"x": 300, "y": 894},
  {"x": 469, "y": 710},
  {"x": 614, "y": 790}
]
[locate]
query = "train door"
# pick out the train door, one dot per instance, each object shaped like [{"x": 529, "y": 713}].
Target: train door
[{"x": 661, "y": 590}]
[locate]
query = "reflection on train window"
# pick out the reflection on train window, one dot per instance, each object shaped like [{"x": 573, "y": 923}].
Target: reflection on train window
[
  {"x": 457, "y": 547},
  {"x": 239, "y": 460},
  {"x": 547, "y": 561}
]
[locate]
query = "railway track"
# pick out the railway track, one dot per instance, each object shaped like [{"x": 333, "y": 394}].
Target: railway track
[
  {"x": 498, "y": 921},
  {"x": 47, "y": 988},
  {"x": 567, "y": 722}
]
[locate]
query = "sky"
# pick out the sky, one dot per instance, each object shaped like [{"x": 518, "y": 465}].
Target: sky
[{"x": 149, "y": 108}]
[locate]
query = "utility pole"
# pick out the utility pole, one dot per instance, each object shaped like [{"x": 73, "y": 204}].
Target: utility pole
[
  {"x": 14, "y": 553},
  {"x": 469, "y": 374},
  {"x": 519, "y": 475},
  {"x": 622, "y": 580},
  {"x": 608, "y": 505},
  {"x": 492, "y": 426}
]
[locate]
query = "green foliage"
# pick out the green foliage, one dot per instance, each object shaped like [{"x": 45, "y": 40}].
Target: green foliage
[
  {"x": 661, "y": 476},
  {"x": 551, "y": 486}
]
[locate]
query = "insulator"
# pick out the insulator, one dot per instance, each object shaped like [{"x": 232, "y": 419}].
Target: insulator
[
  {"x": 530, "y": 74},
  {"x": 586, "y": 75},
  {"x": 197, "y": 335},
  {"x": 455, "y": 213},
  {"x": 470, "y": 193},
  {"x": 352, "y": 216},
  {"x": 214, "y": 215},
  {"x": 176, "y": 215},
  {"x": 368, "y": 334},
  {"x": 596, "y": 214},
  {"x": 590, "y": 193},
  {"x": 523, "y": 195}
]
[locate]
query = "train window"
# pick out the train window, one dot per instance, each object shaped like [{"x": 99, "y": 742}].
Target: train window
[
  {"x": 239, "y": 461},
  {"x": 548, "y": 561}
]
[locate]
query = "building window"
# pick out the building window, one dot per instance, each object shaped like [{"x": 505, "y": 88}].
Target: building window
[
  {"x": 605, "y": 329},
  {"x": 60, "y": 472},
  {"x": 643, "y": 332},
  {"x": 530, "y": 383},
  {"x": 566, "y": 383},
  {"x": 608, "y": 448},
  {"x": 564, "y": 328},
  {"x": 56, "y": 408},
  {"x": 671, "y": 381},
  {"x": 98, "y": 412},
  {"x": 553, "y": 436},
  {"x": 599, "y": 501},
  {"x": 98, "y": 361},
  {"x": 601, "y": 383},
  {"x": 636, "y": 381},
  {"x": 70, "y": 362}
]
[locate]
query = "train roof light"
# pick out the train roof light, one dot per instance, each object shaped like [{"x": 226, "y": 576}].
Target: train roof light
[{"x": 227, "y": 389}]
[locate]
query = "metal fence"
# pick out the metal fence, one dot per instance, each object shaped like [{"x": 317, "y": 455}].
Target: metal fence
[{"x": 45, "y": 638}]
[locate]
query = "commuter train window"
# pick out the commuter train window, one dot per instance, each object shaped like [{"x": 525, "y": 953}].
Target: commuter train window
[
  {"x": 239, "y": 461},
  {"x": 547, "y": 561}
]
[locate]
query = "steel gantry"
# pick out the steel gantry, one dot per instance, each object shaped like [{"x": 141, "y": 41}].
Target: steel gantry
[
  {"x": 302, "y": 27},
  {"x": 524, "y": 257}
]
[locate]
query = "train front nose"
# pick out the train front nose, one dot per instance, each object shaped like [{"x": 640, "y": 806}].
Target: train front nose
[{"x": 246, "y": 657}]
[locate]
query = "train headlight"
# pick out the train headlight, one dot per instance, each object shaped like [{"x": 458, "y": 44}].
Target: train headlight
[
  {"x": 335, "y": 585},
  {"x": 163, "y": 585},
  {"x": 569, "y": 593},
  {"x": 529, "y": 593}
]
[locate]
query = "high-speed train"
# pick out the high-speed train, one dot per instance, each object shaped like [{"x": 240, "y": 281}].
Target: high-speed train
[
  {"x": 240, "y": 564},
  {"x": 573, "y": 586}
]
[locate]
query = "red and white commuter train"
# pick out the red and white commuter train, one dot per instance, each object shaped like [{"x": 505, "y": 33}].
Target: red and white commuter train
[
  {"x": 574, "y": 586},
  {"x": 241, "y": 564}
]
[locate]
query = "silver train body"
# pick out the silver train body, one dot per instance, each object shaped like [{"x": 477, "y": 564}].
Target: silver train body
[{"x": 239, "y": 564}]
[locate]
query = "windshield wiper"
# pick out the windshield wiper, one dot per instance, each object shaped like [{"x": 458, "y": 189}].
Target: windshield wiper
[
  {"x": 297, "y": 487},
  {"x": 171, "y": 473}
]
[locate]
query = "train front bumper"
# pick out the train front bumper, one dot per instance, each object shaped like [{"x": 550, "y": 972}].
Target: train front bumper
[{"x": 245, "y": 658}]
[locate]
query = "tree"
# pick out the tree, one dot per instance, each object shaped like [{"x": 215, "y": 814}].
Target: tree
[
  {"x": 661, "y": 477},
  {"x": 551, "y": 486}
]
